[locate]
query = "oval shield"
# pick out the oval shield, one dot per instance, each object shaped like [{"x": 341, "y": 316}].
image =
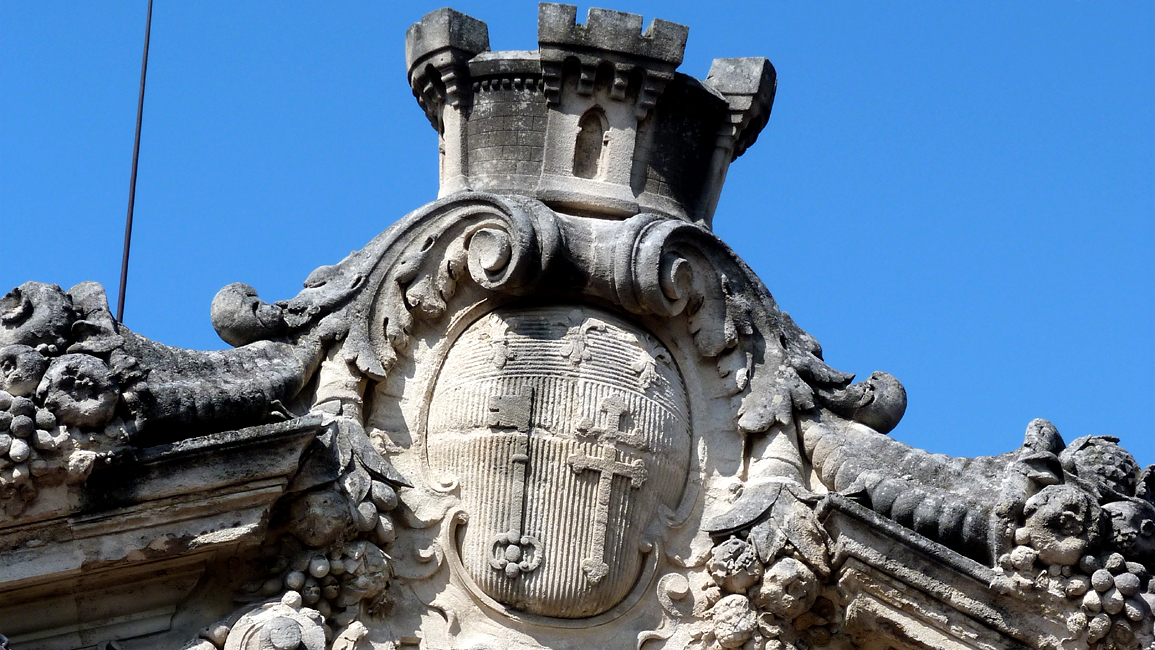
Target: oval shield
[{"x": 566, "y": 429}]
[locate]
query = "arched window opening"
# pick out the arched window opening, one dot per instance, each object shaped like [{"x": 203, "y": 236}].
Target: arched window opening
[{"x": 591, "y": 138}]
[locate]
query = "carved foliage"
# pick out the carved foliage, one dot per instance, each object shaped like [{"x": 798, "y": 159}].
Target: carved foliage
[
  {"x": 669, "y": 267},
  {"x": 58, "y": 395},
  {"x": 770, "y": 587},
  {"x": 502, "y": 244},
  {"x": 1083, "y": 547}
]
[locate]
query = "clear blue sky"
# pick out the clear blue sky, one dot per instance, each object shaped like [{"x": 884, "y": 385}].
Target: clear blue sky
[{"x": 962, "y": 194}]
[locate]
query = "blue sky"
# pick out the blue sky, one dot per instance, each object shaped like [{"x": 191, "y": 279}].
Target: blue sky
[{"x": 961, "y": 194}]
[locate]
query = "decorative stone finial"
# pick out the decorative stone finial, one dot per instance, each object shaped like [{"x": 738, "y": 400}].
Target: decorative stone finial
[{"x": 595, "y": 121}]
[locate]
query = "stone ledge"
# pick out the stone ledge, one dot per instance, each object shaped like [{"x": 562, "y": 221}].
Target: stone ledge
[
  {"x": 919, "y": 592},
  {"x": 141, "y": 536}
]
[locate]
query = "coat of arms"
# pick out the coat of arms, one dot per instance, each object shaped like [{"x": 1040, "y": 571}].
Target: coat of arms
[{"x": 566, "y": 430}]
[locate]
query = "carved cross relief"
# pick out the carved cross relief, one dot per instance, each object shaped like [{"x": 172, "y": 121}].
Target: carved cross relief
[
  {"x": 606, "y": 464},
  {"x": 563, "y": 449},
  {"x": 515, "y": 551}
]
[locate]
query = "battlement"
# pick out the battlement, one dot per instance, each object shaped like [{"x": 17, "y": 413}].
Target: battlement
[
  {"x": 611, "y": 31},
  {"x": 596, "y": 121},
  {"x": 445, "y": 29}
]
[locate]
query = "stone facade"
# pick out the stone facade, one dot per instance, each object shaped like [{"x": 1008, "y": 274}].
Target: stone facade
[{"x": 548, "y": 410}]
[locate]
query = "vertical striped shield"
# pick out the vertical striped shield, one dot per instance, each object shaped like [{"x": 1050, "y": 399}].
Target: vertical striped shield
[{"x": 566, "y": 428}]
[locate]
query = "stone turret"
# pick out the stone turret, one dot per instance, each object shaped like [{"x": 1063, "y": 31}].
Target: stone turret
[{"x": 596, "y": 121}]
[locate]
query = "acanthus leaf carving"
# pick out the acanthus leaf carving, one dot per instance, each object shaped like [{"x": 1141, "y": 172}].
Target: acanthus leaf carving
[
  {"x": 419, "y": 261},
  {"x": 676, "y": 267}
]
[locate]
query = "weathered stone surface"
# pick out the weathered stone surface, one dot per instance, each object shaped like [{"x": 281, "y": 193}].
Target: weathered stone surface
[
  {"x": 240, "y": 317},
  {"x": 114, "y": 558},
  {"x": 37, "y": 315},
  {"x": 548, "y": 410},
  {"x": 21, "y": 368},
  {"x": 79, "y": 391},
  {"x": 509, "y": 121}
]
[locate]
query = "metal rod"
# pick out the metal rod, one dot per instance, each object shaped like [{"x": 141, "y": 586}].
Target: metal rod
[{"x": 132, "y": 181}]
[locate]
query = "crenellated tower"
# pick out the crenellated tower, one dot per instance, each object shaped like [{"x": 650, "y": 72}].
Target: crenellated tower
[{"x": 596, "y": 121}]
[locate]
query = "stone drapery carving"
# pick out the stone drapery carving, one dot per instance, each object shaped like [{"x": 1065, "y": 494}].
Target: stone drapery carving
[{"x": 549, "y": 410}]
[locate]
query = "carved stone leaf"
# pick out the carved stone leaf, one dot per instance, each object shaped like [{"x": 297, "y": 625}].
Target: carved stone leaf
[
  {"x": 356, "y": 482},
  {"x": 326, "y": 288},
  {"x": 801, "y": 394},
  {"x": 756, "y": 500},
  {"x": 800, "y": 526},
  {"x": 424, "y": 298},
  {"x": 319, "y": 466},
  {"x": 435, "y": 281},
  {"x": 768, "y": 401},
  {"x": 343, "y": 443},
  {"x": 398, "y": 325},
  {"x": 451, "y": 268},
  {"x": 367, "y": 454},
  {"x": 736, "y": 363},
  {"x": 768, "y": 539},
  {"x": 805, "y": 355},
  {"x": 710, "y": 339},
  {"x": 360, "y": 353},
  {"x": 377, "y": 364},
  {"x": 1146, "y": 485},
  {"x": 852, "y": 397}
]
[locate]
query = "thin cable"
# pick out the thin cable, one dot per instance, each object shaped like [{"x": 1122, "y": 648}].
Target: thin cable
[{"x": 132, "y": 181}]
